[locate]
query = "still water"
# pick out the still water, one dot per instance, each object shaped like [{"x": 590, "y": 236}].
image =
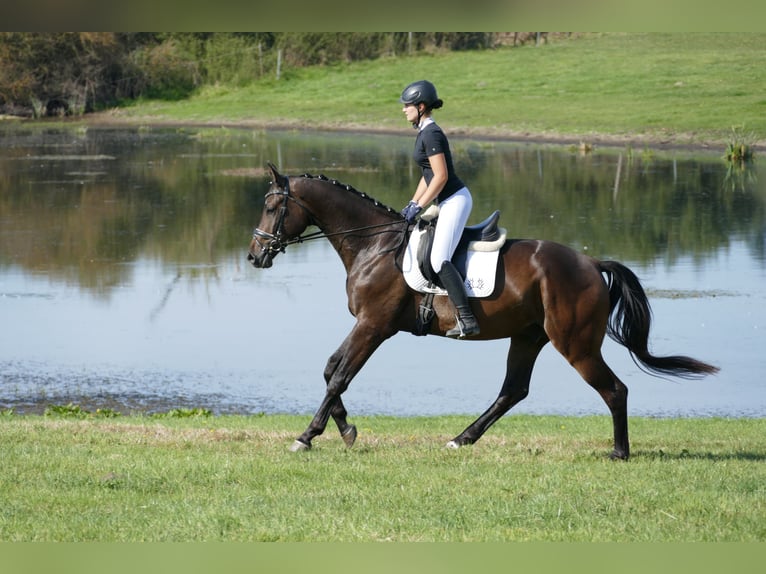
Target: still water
[{"x": 124, "y": 284}]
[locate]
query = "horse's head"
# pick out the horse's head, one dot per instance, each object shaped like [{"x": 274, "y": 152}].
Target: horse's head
[{"x": 283, "y": 218}]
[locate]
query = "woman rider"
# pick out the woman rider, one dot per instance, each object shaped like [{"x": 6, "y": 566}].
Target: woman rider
[{"x": 439, "y": 183}]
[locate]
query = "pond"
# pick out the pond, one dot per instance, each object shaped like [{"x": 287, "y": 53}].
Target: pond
[{"x": 124, "y": 283}]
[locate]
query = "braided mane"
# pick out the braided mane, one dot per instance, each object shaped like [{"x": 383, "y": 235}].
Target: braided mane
[{"x": 351, "y": 189}]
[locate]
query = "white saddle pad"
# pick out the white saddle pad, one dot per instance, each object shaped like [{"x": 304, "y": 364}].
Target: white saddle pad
[{"x": 481, "y": 268}]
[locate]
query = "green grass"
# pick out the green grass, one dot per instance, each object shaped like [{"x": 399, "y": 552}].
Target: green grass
[
  {"x": 69, "y": 478},
  {"x": 681, "y": 88}
]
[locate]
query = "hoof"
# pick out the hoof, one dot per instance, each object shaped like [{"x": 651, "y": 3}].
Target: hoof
[
  {"x": 615, "y": 455},
  {"x": 349, "y": 436},
  {"x": 452, "y": 444},
  {"x": 299, "y": 446}
]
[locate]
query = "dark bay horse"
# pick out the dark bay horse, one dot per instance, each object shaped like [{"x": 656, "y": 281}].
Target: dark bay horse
[{"x": 544, "y": 292}]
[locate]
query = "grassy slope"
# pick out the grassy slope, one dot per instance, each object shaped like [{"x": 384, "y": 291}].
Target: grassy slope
[{"x": 680, "y": 88}]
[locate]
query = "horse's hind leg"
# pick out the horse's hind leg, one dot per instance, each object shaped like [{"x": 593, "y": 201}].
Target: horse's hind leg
[
  {"x": 521, "y": 360},
  {"x": 583, "y": 351},
  {"x": 575, "y": 322},
  {"x": 598, "y": 375}
]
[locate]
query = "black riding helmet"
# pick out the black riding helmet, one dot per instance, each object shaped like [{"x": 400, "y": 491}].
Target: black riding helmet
[
  {"x": 424, "y": 92},
  {"x": 421, "y": 91}
]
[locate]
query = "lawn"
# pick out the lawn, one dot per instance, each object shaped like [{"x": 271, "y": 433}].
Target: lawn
[{"x": 231, "y": 478}]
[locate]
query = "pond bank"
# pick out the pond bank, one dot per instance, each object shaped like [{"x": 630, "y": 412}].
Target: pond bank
[{"x": 670, "y": 141}]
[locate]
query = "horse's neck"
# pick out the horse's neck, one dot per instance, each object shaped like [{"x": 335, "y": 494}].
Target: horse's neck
[{"x": 347, "y": 211}]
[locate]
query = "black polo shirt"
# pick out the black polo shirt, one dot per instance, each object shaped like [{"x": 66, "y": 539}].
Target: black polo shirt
[{"x": 432, "y": 141}]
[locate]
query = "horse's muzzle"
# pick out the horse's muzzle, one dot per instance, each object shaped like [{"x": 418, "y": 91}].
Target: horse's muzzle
[{"x": 260, "y": 261}]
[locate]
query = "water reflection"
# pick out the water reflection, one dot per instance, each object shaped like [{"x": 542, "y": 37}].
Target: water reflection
[{"x": 122, "y": 272}]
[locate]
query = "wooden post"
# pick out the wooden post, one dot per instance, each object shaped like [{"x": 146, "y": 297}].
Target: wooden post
[{"x": 617, "y": 178}]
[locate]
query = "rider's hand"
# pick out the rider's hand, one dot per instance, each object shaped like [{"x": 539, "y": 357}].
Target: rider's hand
[
  {"x": 411, "y": 211},
  {"x": 406, "y": 208}
]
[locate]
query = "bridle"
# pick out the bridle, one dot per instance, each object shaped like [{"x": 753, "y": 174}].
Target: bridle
[{"x": 276, "y": 242}]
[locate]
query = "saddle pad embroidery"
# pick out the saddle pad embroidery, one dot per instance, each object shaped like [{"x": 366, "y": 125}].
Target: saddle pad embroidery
[{"x": 481, "y": 267}]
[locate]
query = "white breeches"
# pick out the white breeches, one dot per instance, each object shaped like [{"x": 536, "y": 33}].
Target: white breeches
[{"x": 453, "y": 215}]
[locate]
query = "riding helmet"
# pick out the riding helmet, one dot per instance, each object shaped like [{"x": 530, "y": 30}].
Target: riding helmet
[{"x": 421, "y": 91}]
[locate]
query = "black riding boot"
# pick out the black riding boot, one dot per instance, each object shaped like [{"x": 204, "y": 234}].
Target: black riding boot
[{"x": 453, "y": 283}]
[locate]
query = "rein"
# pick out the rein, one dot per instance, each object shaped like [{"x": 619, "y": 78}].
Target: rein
[{"x": 276, "y": 243}]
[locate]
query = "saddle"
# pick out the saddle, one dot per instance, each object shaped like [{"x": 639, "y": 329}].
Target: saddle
[
  {"x": 475, "y": 257},
  {"x": 485, "y": 236}
]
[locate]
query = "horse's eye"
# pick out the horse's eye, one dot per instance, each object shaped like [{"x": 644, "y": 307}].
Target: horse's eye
[{"x": 270, "y": 206}]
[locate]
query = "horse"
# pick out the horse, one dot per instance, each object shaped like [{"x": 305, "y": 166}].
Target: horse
[{"x": 544, "y": 292}]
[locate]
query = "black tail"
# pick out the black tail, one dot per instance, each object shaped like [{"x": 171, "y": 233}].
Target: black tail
[{"x": 629, "y": 322}]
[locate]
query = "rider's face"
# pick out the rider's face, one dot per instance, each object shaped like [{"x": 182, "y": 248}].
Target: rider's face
[{"x": 410, "y": 112}]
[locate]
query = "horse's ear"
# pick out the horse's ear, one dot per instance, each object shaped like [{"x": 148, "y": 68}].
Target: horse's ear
[{"x": 277, "y": 177}]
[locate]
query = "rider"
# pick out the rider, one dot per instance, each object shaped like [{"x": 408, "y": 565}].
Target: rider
[{"x": 439, "y": 183}]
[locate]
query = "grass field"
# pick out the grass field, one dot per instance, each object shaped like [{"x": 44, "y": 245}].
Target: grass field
[
  {"x": 532, "y": 478},
  {"x": 686, "y": 88}
]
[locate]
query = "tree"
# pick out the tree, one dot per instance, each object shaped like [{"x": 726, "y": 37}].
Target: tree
[
  {"x": 56, "y": 73},
  {"x": 73, "y": 73}
]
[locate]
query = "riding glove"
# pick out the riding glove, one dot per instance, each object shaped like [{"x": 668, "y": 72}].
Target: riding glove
[
  {"x": 406, "y": 208},
  {"x": 411, "y": 211}
]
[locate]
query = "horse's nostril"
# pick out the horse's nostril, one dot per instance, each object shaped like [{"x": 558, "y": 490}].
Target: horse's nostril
[{"x": 252, "y": 260}]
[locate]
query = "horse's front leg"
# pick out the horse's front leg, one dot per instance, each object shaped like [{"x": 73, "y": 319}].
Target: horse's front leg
[
  {"x": 341, "y": 368},
  {"x": 339, "y": 414},
  {"x": 337, "y": 409}
]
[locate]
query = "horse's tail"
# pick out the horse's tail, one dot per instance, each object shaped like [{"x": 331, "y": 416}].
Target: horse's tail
[{"x": 629, "y": 322}]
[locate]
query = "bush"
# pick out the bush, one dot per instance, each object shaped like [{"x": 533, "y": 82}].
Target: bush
[
  {"x": 310, "y": 49},
  {"x": 236, "y": 59},
  {"x": 165, "y": 71}
]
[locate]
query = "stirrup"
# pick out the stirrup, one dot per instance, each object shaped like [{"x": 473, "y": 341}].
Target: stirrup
[{"x": 459, "y": 331}]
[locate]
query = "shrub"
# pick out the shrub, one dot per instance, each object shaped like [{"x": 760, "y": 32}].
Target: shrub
[
  {"x": 739, "y": 149},
  {"x": 166, "y": 71}
]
